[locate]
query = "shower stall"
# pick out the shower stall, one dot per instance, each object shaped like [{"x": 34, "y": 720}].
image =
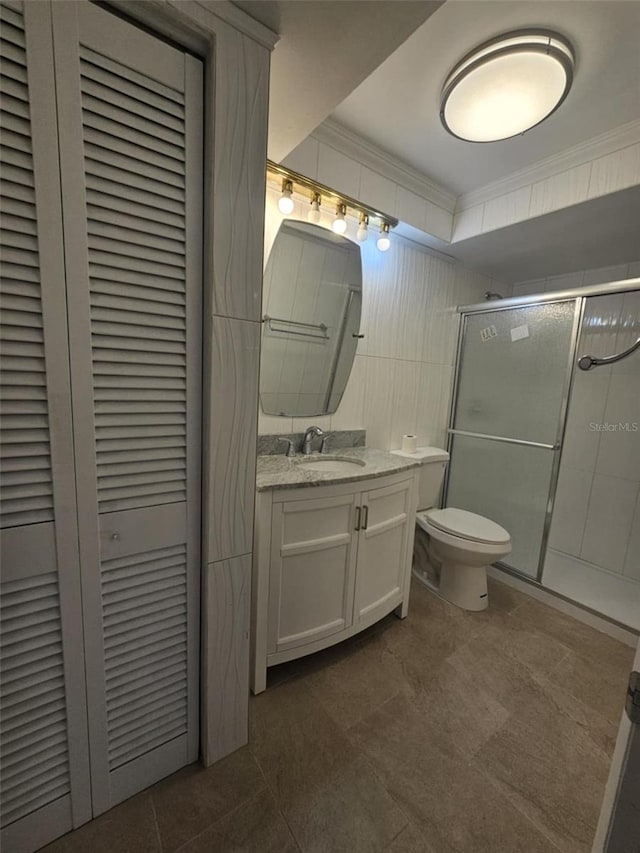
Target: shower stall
[{"x": 544, "y": 438}]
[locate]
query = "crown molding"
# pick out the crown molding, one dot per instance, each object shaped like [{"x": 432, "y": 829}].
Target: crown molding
[
  {"x": 592, "y": 149},
  {"x": 240, "y": 20},
  {"x": 365, "y": 152},
  {"x": 193, "y": 22}
]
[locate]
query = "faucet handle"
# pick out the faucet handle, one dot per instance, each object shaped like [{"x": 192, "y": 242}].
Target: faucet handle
[
  {"x": 324, "y": 444},
  {"x": 291, "y": 449}
]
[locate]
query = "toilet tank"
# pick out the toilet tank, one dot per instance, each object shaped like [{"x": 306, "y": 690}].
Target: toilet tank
[
  {"x": 431, "y": 475},
  {"x": 434, "y": 462}
]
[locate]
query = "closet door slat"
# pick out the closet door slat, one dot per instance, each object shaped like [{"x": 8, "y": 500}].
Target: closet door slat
[
  {"x": 43, "y": 748},
  {"x": 131, "y": 167},
  {"x": 28, "y": 775},
  {"x": 24, "y": 340},
  {"x": 132, "y": 601},
  {"x": 127, "y": 323}
]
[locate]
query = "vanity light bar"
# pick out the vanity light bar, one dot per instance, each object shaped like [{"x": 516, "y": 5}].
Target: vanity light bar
[{"x": 341, "y": 202}]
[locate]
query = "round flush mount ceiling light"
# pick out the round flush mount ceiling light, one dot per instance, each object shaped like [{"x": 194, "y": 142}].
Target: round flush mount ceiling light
[{"x": 507, "y": 85}]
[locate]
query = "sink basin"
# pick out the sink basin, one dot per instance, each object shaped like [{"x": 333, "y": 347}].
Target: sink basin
[{"x": 332, "y": 464}]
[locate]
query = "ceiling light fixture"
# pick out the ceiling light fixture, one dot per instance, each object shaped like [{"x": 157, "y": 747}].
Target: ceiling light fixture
[
  {"x": 384, "y": 242},
  {"x": 339, "y": 224},
  {"x": 362, "y": 234},
  {"x": 285, "y": 202},
  {"x": 507, "y": 85},
  {"x": 314, "y": 210}
]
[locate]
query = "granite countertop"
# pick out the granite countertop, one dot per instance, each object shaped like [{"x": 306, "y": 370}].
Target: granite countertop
[{"x": 282, "y": 472}]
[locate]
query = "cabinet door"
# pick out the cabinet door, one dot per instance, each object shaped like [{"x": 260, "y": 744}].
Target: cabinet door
[
  {"x": 382, "y": 550},
  {"x": 43, "y": 749},
  {"x": 313, "y": 557},
  {"x": 130, "y": 160}
]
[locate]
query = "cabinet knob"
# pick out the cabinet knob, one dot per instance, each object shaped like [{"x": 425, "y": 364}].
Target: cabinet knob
[
  {"x": 115, "y": 537},
  {"x": 358, "y": 512}
]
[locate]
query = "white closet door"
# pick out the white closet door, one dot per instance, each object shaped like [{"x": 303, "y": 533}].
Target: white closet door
[
  {"x": 43, "y": 749},
  {"x": 131, "y": 166}
]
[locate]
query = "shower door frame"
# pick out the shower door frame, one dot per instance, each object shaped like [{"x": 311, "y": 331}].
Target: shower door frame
[{"x": 579, "y": 295}]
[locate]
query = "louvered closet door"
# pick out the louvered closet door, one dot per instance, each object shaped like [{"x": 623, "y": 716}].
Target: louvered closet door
[
  {"x": 131, "y": 149},
  {"x": 43, "y": 748}
]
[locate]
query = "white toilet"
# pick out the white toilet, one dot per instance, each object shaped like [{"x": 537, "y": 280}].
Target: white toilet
[{"x": 453, "y": 547}]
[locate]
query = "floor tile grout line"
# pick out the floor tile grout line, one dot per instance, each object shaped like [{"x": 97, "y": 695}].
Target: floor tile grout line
[
  {"x": 221, "y": 818},
  {"x": 275, "y": 798},
  {"x": 567, "y": 653},
  {"x": 396, "y": 836},
  {"x": 155, "y": 822},
  {"x": 539, "y": 827},
  {"x": 375, "y": 772},
  {"x": 389, "y": 793},
  {"x": 360, "y": 754}
]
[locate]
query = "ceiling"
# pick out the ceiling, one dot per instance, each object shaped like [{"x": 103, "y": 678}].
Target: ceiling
[
  {"x": 377, "y": 67},
  {"x": 326, "y": 49},
  {"x": 397, "y": 106}
]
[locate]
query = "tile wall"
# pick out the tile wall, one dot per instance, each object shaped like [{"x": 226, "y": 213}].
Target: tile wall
[
  {"x": 533, "y": 193},
  {"x": 581, "y": 278},
  {"x": 321, "y": 161},
  {"x": 403, "y": 371}
]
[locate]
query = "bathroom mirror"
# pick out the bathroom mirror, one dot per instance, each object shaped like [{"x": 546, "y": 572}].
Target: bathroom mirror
[{"x": 312, "y": 302}]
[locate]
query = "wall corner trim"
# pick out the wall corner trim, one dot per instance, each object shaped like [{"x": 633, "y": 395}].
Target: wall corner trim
[{"x": 584, "y": 152}]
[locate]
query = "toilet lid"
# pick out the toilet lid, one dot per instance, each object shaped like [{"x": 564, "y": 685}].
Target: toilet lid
[{"x": 468, "y": 525}]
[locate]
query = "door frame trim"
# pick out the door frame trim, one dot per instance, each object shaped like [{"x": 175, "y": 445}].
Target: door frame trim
[
  {"x": 621, "y": 286},
  {"x": 235, "y": 155}
]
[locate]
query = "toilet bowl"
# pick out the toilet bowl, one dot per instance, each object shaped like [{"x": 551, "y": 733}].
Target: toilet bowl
[
  {"x": 453, "y": 547},
  {"x": 463, "y": 544}
]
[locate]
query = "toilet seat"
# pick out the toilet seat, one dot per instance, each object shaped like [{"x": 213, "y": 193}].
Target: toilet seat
[{"x": 464, "y": 525}]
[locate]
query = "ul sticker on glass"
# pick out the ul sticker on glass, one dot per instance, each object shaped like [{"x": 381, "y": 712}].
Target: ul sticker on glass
[{"x": 488, "y": 333}]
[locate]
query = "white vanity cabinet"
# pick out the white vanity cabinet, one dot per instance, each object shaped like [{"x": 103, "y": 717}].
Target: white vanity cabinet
[
  {"x": 385, "y": 550},
  {"x": 329, "y": 561},
  {"x": 312, "y": 573}
]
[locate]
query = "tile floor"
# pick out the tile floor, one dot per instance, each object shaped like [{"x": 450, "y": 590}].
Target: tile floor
[{"x": 448, "y": 732}]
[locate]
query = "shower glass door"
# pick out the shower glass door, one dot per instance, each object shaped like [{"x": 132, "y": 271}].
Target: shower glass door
[
  {"x": 593, "y": 549},
  {"x": 512, "y": 385}
]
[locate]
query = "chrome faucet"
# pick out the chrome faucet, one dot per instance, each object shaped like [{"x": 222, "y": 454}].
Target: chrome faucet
[{"x": 309, "y": 435}]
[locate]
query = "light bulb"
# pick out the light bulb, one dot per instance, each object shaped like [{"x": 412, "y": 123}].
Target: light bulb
[
  {"x": 285, "y": 202},
  {"x": 362, "y": 234},
  {"x": 339, "y": 224},
  {"x": 383, "y": 240},
  {"x": 314, "y": 210}
]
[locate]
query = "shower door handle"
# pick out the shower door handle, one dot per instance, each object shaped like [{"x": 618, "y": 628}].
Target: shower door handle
[{"x": 586, "y": 362}]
